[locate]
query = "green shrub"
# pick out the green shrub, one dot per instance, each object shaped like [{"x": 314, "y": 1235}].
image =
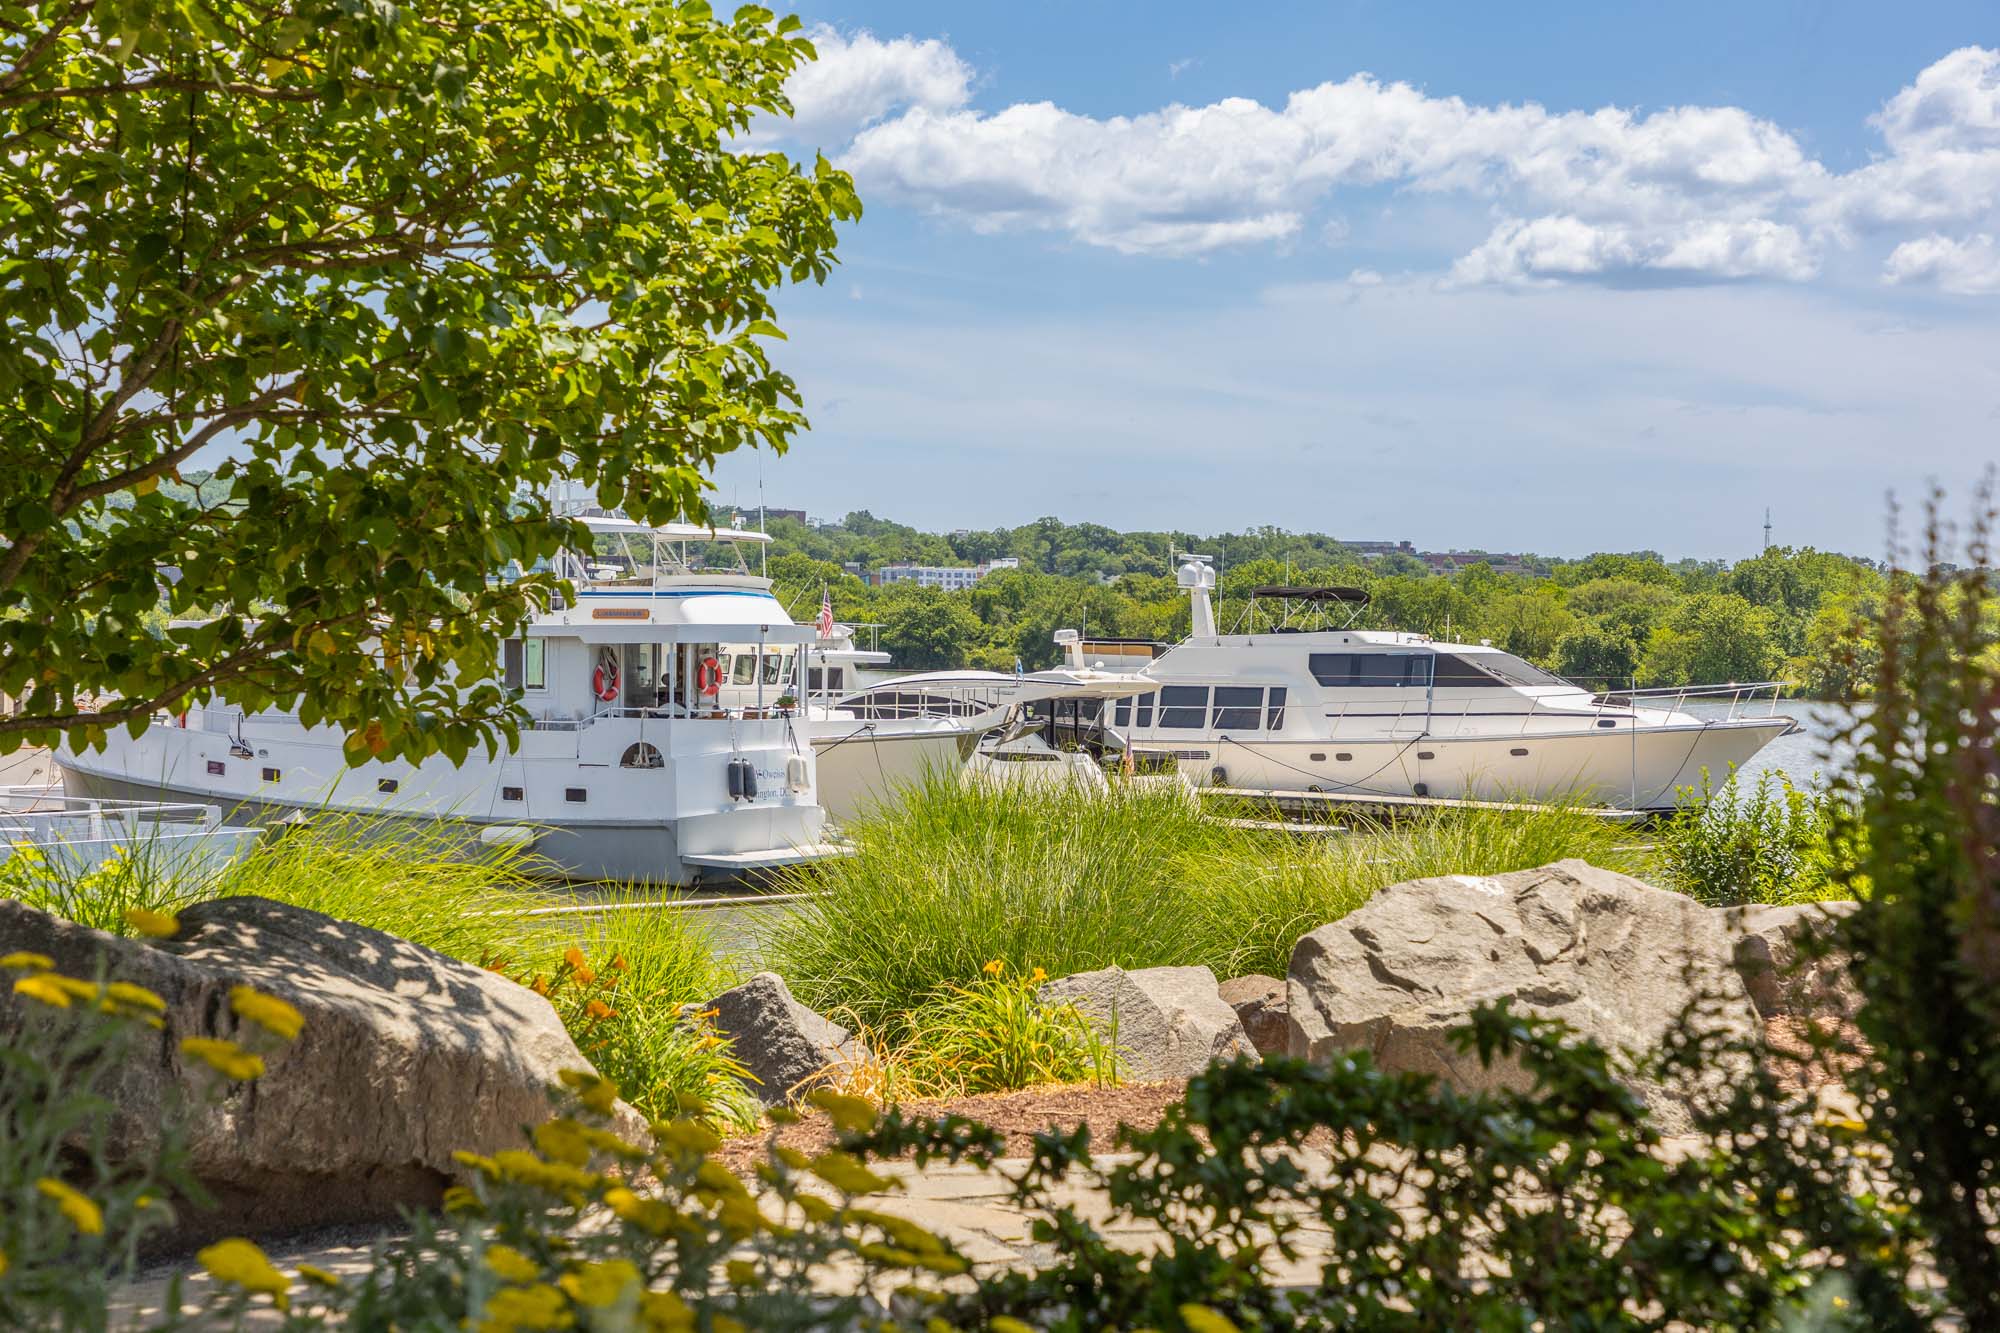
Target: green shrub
[
  {"x": 960, "y": 874},
  {"x": 622, "y": 990},
  {"x": 1771, "y": 844},
  {"x": 995, "y": 1034},
  {"x": 1921, "y": 807}
]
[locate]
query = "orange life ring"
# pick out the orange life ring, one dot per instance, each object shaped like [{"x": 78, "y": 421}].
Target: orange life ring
[
  {"x": 709, "y": 679},
  {"x": 604, "y": 681}
]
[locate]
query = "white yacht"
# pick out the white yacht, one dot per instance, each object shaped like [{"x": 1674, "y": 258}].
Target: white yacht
[
  {"x": 666, "y": 743},
  {"x": 1308, "y": 706}
]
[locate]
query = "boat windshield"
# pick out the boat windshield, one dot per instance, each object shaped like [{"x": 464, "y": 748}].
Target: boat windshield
[{"x": 1517, "y": 672}]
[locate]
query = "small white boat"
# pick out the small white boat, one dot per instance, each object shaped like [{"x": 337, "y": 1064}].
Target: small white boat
[{"x": 1308, "y": 706}]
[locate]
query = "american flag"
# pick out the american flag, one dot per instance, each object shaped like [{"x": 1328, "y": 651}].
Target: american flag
[{"x": 825, "y": 613}]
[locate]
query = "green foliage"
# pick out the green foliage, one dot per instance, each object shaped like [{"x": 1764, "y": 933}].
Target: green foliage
[
  {"x": 994, "y": 1034},
  {"x": 1068, "y": 881},
  {"x": 622, "y": 991},
  {"x": 1772, "y": 843},
  {"x": 1922, "y": 805},
  {"x": 1711, "y": 637},
  {"x": 410, "y": 267}
]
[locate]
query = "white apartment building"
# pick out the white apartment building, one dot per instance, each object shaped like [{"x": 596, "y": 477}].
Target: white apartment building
[{"x": 952, "y": 578}]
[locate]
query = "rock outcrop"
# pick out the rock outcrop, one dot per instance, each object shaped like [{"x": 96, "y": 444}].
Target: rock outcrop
[
  {"x": 1616, "y": 959},
  {"x": 1781, "y": 980},
  {"x": 1260, "y": 1005},
  {"x": 1166, "y": 1022},
  {"x": 780, "y": 1041},
  {"x": 405, "y": 1057}
]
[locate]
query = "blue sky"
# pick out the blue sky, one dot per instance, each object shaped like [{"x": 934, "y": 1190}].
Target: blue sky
[{"x": 1564, "y": 279}]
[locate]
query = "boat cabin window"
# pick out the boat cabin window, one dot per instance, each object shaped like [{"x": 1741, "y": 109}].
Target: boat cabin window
[
  {"x": 1274, "y": 711},
  {"x": 524, "y": 663},
  {"x": 826, "y": 678},
  {"x": 743, "y": 669},
  {"x": 1516, "y": 672},
  {"x": 1343, "y": 671},
  {"x": 774, "y": 668},
  {"x": 1125, "y": 711},
  {"x": 1238, "y": 708},
  {"x": 1184, "y": 706}
]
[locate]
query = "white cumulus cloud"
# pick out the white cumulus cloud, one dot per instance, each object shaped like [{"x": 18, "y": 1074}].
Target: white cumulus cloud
[
  {"x": 1969, "y": 267},
  {"x": 859, "y": 78},
  {"x": 1678, "y": 195}
]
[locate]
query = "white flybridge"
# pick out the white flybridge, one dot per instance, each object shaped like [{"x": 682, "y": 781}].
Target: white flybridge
[
  {"x": 667, "y": 744},
  {"x": 1312, "y": 707}
]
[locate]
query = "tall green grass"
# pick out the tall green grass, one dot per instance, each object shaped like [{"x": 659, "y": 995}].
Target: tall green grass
[
  {"x": 960, "y": 875},
  {"x": 1767, "y": 842}
]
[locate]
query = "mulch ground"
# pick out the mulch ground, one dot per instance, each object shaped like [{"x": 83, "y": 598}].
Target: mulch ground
[
  {"x": 1021, "y": 1115},
  {"x": 1018, "y": 1115}
]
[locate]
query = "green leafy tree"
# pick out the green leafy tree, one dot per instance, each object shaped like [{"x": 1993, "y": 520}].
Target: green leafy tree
[
  {"x": 402, "y": 269},
  {"x": 1711, "y": 638},
  {"x": 1596, "y": 656},
  {"x": 927, "y": 628}
]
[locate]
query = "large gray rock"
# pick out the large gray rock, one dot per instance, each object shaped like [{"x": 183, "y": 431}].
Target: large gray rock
[
  {"x": 1166, "y": 1022},
  {"x": 1616, "y": 959},
  {"x": 405, "y": 1057},
  {"x": 780, "y": 1041},
  {"x": 1260, "y": 1005},
  {"x": 1780, "y": 979}
]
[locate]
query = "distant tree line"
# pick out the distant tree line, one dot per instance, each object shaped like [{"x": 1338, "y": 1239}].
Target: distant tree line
[{"x": 1607, "y": 619}]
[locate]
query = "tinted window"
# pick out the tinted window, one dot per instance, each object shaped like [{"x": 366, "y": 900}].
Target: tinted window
[
  {"x": 1238, "y": 707},
  {"x": 1145, "y": 707},
  {"x": 1274, "y": 714},
  {"x": 1184, "y": 706},
  {"x": 1121, "y": 713},
  {"x": 744, "y": 669},
  {"x": 1366, "y": 670},
  {"x": 510, "y": 663},
  {"x": 1516, "y": 672},
  {"x": 537, "y": 664},
  {"x": 1456, "y": 673}
]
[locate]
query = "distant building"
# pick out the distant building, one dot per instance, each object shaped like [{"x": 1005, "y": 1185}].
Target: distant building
[
  {"x": 1450, "y": 562},
  {"x": 952, "y": 578},
  {"x": 1376, "y": 550}
]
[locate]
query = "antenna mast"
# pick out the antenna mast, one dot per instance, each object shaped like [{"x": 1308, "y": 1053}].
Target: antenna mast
[{"x": 1767, "y": 528}]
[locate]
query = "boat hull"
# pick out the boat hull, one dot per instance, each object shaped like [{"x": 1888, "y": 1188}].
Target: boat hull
[
  {"x": 1640, "y": 770},
  {"x": 868, "y": 766}
]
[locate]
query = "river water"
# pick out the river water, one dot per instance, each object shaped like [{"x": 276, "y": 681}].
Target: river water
[{"x": 1807, "y": 757}]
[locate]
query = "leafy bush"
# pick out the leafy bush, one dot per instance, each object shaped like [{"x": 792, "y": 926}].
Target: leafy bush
[
  {"x": 1771, "y": 844},
  {"x": 1922, "y": 807},
  {"x": 996, "y": 1034}
]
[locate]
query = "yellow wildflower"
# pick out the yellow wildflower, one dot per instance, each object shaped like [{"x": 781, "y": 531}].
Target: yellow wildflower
[
  {"x": 598, "y": 1094},
  {"x": 847, "y": 1174},
  {"x": 555, "y": 1177},
  {"x": 994, "y": 968},
  {"x": 511, "y": 1265},
  {"x": 237, "y": 1261},
  {"x": 654, "y": 1216},
  {"x": 1037, "y": 977},
  {"x": 601, "y": 1284},
  {"x": 855, "y": 1114},
  {"x": 266, "y": 1011},
  {"x": 125, "y": 994},
  {"x": 563, "y": 1140},
  {"x": 1201, "y": 1319},
  {"x": 598, "y": 1009},
  {"x": 686, "y": 1138},
  {"x": 315, "y": 1274},
  {"x": 81, "y": 1212},
  {"x": 664, "y": 1312},
  {"x": 158, "y": 925},
  {"x": 513, "y": 1308},
  {"x": 741, "y": 1272},
  {"x": 23, "y": 961},
  {"x": 459, "y": 1199},
  {"x": 1002, "y": 1323},
  {"x": 43, "y": 989},
  {"x": 224, "y": 1057}
]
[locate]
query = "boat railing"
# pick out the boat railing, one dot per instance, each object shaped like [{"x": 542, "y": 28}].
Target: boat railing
[
  {"x": 657, "y": 715},
  {"x": 1741, "y": 696}
]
